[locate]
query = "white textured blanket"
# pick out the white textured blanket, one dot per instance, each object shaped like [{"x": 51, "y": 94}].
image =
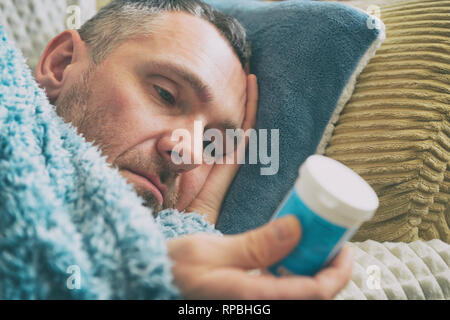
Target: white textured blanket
[{"x": 417, "y": 270}]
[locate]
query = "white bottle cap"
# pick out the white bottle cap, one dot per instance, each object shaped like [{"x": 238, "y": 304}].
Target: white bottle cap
[{"x": 335, "y": 192}]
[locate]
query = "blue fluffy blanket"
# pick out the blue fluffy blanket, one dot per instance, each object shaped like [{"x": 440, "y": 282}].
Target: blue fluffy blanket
[{"x": 70, "y": 225}]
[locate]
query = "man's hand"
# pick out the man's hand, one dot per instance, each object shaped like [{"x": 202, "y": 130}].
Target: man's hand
[
  {"x": 209, "y": 201},
  {"x": 214, "y": 267}
]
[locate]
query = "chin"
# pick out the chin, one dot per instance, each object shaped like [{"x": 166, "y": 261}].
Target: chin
[{"x": 149, "y": 200}]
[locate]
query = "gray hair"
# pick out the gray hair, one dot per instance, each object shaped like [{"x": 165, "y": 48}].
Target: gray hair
[{"x": 123, "y": 19}]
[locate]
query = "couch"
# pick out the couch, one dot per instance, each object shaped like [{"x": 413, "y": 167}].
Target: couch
[{"x": 394, "y": 131}]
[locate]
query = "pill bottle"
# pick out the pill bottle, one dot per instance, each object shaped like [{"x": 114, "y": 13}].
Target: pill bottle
[{"x": 331, "y": 201}]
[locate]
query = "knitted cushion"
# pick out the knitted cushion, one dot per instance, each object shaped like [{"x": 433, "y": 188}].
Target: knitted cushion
[
  {"x": 395, "y": 130},
  {"x": 32, "y": 23},
  {"x": 398, "y": 271}
]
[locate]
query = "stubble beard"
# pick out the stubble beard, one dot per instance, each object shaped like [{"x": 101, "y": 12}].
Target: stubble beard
[{"x": 90, "y": 122}]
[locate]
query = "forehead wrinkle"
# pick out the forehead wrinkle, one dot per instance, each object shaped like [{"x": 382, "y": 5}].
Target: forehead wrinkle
[{"x": 202, "y": 89}]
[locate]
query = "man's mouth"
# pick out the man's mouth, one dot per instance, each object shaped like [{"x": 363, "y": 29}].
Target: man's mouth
[{"x": 150, "y": 182}]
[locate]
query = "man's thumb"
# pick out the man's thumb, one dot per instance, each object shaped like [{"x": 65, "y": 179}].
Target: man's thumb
[{"x": 263, "y": 247}]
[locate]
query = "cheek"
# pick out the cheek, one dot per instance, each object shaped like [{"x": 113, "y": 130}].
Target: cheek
[
  {"x": 191, "y": 184},
  {"x": 124, "y": 106},
  {"x": 121, "y": 94},
  {"x": 128, "y": 118}
]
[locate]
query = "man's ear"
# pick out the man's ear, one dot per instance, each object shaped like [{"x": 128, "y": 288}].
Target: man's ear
[{"x": 61, "y": 53}]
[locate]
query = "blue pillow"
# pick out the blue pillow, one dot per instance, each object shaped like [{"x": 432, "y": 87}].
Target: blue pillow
[{"x": 306, "y": 56}]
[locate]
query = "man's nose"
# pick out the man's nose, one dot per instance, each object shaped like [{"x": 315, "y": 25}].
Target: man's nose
[{"x": 183, "y": 148}]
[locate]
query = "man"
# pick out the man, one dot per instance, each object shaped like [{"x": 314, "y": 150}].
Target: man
[{"x": 140, "y": 70}]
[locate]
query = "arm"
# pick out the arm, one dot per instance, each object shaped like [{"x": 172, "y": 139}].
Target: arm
[{"x": 211, "y": 267}]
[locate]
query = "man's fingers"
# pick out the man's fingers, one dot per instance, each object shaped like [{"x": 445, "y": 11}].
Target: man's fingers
[
  {"x": 237, "y": 157},
  {"x": 333, "y": 278},
  {"x": 252, "y": 102},
  {"x": 324, "y": 286},
  {"x": 237, "y": 284},
  {"x": 263, "y": 247}
]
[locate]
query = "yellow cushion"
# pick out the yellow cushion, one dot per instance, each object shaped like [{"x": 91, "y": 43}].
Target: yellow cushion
[
  {"x": 395, "y": 130},
  {"x": 102, "y": 3}
]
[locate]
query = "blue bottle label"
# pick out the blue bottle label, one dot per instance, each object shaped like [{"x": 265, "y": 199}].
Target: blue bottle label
[{"x": 320, "y": 242}]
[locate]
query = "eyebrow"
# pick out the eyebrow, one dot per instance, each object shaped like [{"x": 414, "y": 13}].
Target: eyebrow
[{"x": 202, "y": 90}]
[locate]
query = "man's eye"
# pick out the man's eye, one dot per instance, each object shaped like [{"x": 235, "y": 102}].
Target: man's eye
[
  {"x": 214, "y": 151},
  {"x": 165, "y": 95},
  {"x": 207, "y": 143}
]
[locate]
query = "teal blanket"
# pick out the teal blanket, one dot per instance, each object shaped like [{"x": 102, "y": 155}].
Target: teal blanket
[{"x": 70, "y": 225}]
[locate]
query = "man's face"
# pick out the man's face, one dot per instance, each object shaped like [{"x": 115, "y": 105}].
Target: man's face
[{"x": 146, "y": 88}]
